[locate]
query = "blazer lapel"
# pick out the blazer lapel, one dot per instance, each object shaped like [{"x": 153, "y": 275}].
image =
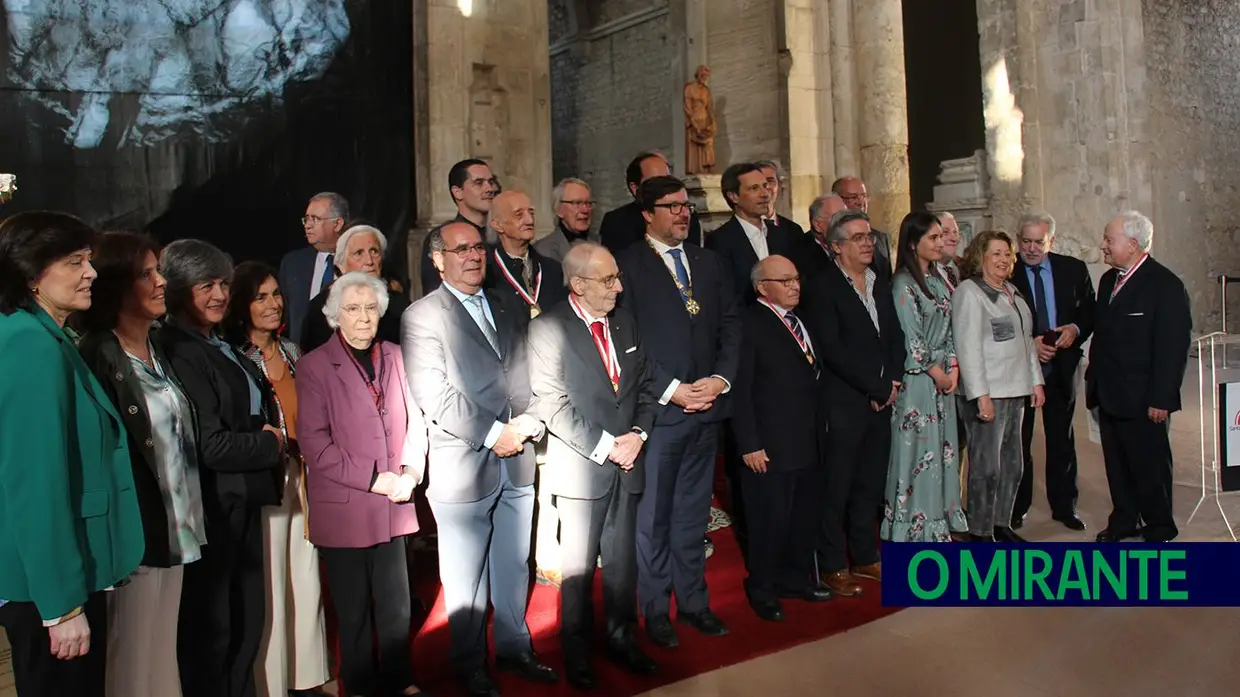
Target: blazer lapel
[
  {"x": 464, "y": 321},
  {"x": 505, "y": 327},
  {"x": 1064, "y": 303},
  {"x": 581, "y": 339},
  {"x": 856, "y": 303},
  {"x": 348, "y": 374}
]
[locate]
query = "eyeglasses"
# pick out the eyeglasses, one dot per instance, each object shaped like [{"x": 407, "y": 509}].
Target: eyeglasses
[
  {"x": 357, "y": 310},
  {"x": 785, "y": 282},
  {"x": 863, "y": 239},
  {"x": 467, "y": 249},
  {"x": 677, "y": 207},
  {"x": 315, "y": 220},
  {"x": 607, "y": 281},
  {"x": 579, "y": 204}
]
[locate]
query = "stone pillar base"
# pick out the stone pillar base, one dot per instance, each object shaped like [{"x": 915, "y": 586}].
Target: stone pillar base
[
  {"x": 706, "y": 192},
  {"x": 413, "y": 256}
]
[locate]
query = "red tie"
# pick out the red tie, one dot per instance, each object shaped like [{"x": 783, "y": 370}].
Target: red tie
[{"x": 601, "y": 342}]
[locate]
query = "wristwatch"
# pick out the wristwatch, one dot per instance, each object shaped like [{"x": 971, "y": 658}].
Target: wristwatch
[{"x": 640, "y": 433}]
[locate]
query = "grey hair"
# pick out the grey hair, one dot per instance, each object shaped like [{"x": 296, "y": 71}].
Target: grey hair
[
  {"x": 1138, "y": 227},
  {"x": 835, "y": 228},
  {"x": 948, "y": 214},
  {"x": 558, "y": 192},
  {"x": 755, "y": 274},
  {"x": 337, "y": 204},
  {"x": 353, "y": 279},
  {"x": 436, "y": 242},
  {"x": 815, "y": 208},
  {"x": 768, "y": 164},
  {"x": 1032, "y": 219},
  {"x": 576, "y": 262},
  {"x": 342, "y": 244},
  {"x": 187, "y": 263}
]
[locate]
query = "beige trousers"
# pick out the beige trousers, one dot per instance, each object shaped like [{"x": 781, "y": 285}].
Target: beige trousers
[
  {"x": 293, "y": 655},
  {"x": 142, "y": 634}
]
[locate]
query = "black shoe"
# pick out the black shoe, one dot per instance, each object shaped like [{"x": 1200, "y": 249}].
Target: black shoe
[
  {"x": 660, "y": 630},
  {"x": 705, "y": 622},
  {"x": 478, "y": 684},
  {"x": 1007, "y": 535},
  {"x": 526, "y": 666},
  {"x": 1109, "y": 535},
  {"x": 1153, "y": 534},
  {"x": 769, "y": 610},
  {"x": 810, "y": 594},
  {"x": 629, "y": 656},
  {"x": 1071, "y": 521},
  {"x": 579, "y": 674}
]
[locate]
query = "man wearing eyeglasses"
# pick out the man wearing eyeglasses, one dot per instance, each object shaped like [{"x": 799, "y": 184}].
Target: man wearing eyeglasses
[
  {"x": 686, "y": 311},
  {"x": 780, "y": 430},
  {"x": 574, "y": 212},
  {"x": 472, "y": 186},
  {"x": 305, "y": 272},
  {"x": 466, "y": 359},
  {"x": 852, "y": 191},
  {"x": 624, "y": 226}
]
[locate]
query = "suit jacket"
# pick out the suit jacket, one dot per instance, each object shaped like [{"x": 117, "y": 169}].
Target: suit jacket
[
  {"x": 551, "y": 294},
  {"x": 69, "y": 519},
  {"x": 553, "y": 247},
  {"x": 625, "y": 225},
  {"x": 681, "y": 346},
  {"x": 430, "y": 274},
  {"x": 782, "y": 223},
  {"x": 463, "y": 388},
  {"x": 732, "y": 245},
  {"x": 295, "y": 275},
  {"x": 315, "y": 331},
  {"x": 859, "y": 363},
  {"x": 777, "y": 406},
  {"x": 811, "y": 259},
  {"x": 239, "y": 462},
  {"x": 346, "y": 442},
  {"x": 1141, "y": 341},
  {"x": 1074, "y": 304},
  {"x": 111, "y": 365},
  {"x": 578, "y": 404}
]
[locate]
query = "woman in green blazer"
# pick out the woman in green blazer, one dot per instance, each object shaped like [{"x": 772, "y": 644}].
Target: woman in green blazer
[{"x": 69, "y": 522}]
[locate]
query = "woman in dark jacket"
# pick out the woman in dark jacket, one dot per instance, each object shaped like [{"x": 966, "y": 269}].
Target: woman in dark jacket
[
  {"x": 69, "y": 522},
  {"x": 240, "y": 460},
  {"x": 136, "y": 375}
]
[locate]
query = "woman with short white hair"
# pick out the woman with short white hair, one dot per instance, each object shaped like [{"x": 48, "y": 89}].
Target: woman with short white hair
[
  {"x": 361, "y": 248},
  {"x": 364, "y": 444}
]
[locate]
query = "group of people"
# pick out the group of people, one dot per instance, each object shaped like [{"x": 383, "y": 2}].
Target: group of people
[{"x": 176, "y": 476}]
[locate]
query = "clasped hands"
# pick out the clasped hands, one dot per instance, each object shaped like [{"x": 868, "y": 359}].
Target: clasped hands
[
  {"x": 397, "y": 487},
  {"x": 1067, "y": 337},
  {"x": 512, "y": 439},
  {"x": 698, "y": 396},
  {"x": 891, "y": 399},
  {"x": 625, "y": 450}
]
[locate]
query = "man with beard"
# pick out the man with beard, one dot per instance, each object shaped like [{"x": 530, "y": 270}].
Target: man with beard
[{"x": 472, "y": 186}]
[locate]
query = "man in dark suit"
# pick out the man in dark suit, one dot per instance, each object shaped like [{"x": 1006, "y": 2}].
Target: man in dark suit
[
  {"x": 515, "y": 270},
  {"x": 574, "y": 213},
  {"x": 813, "y": 252},
  {"x": 1061, "y": 293},
  {"x": 594, "y": 390},
  {"x": 853, "y": 192},
  {"x": 770, "y": 171},
  {"x": 1142, "y": 332},
  {"x": 466, "y": 359},
  {"x": 747, "y": 238},
  {"x": 861, "y": 345},
  {"x": 624, "y": 226},
  {"x": 685, "y": 307},
  {"x": 778, "y": 423},
  {"x": 305, "y": 272},
  {"x": 472, "y": 186}
]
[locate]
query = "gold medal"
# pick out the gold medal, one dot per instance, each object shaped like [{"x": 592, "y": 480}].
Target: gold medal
[
  {"x": 535, "y": 311},
  {"x": 692, "y": 306}
]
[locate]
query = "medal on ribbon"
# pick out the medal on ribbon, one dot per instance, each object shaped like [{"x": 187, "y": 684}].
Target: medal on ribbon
[
  {"x": 531, "y": 300},
  {"x": 686, "y": 294}
]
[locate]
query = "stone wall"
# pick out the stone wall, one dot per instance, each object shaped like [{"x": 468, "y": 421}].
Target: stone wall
[{"x": 744, "y": 64}]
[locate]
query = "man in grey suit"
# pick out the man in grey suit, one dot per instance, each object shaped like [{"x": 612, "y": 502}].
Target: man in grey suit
[
  {"x": 574, "y": 212},
  {"x": 468, "y": 370},
  {"x": 594, "y": 389}
]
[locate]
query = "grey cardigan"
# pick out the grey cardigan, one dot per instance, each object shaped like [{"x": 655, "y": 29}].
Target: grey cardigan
[{"x": 993, "y": 343}]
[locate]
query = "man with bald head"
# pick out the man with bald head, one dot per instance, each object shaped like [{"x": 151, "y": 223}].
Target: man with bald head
[
  {"x": 779, "y": 426},
  {"x": 515, "y": 270},
  {"x": 595, "y": 391},
  {"x": 466, "y": 361},
  {"x": 813, "y": 253},
  {"x": 852, "y": 190}
]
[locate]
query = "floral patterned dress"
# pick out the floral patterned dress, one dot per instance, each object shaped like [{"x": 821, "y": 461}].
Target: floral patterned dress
[{"x": 922, "y": 499}]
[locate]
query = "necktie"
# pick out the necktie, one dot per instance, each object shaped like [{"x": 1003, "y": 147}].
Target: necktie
[
  {"x": 794, "y": 323},
  {"x": 602, "y": 343},
  {"x": 1041, "y": 313},
  {"x": 485, "y": 324},
  {"x": 527, "y": 272},
  {"x": 328, "y": 275},
  {"x": 682, "y": 273},
  {"x": 950, "y": 270}
]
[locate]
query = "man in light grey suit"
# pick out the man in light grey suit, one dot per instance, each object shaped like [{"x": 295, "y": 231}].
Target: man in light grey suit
[
  {"x": 574, "y": 212},
  {"x": 594, "y": 389},
  {"x": 467, "y": 365}
]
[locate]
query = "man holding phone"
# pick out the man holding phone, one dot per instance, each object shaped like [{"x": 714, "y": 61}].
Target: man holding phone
[{"x": 1061, "y": 293}]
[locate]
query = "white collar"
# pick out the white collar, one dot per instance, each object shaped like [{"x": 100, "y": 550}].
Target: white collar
[{"x": 663, "y": 248}]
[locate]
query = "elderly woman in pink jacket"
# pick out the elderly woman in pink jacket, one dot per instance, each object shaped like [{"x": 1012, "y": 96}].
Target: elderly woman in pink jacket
[{"x": 364, "y": 443}]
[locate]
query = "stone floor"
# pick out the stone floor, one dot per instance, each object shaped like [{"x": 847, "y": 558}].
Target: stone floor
[{"x": 1068, "y": 652}]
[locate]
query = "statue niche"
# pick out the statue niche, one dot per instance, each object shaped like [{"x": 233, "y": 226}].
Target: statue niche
[
  {"x": 488, "y": 118},
  {"x": 700, "y": 126}
]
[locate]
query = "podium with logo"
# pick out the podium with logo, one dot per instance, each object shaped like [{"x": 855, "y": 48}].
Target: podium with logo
[{"x": 1218, "y": 390}]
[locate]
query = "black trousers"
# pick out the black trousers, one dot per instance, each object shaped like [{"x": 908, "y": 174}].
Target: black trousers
[
  {"x": 783, "y": 509},
  {"x": 1137, "y": 453},
  {"x": 223, "y": 607},
  {"x": 1061, "y": 465},
  {"x": 588, "y": 527},
  {"x": 369, "y": 590},
  {"x": 856, "y": 470},
  {"x": 36, "y": 672}
]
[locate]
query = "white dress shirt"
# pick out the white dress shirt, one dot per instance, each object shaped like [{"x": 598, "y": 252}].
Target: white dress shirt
[
  {"x": 485, "y": 316},
  {"x": 320, "y": 267},
  {"x": 757, "y": 237}
]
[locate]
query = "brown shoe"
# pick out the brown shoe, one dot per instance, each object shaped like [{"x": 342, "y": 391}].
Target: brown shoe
[
  {"x": 871, "y": 571},
  {"x": 842, "y": 584}
]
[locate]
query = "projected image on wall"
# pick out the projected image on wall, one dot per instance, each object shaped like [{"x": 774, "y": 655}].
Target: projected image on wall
[{"x": 148, "y": 70}]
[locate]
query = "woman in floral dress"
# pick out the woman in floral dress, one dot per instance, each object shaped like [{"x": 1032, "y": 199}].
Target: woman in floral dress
[{"x": 922, "y": 502}]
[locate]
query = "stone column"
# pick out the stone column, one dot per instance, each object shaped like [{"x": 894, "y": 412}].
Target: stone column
[{"x": 878, "y": 39}]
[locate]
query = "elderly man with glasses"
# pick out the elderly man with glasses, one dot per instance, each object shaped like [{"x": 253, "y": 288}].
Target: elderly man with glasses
[{"x": 306, "y": 272}]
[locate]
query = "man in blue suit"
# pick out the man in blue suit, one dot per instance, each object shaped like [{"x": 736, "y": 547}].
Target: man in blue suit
[{"x": 305, "y": 272}]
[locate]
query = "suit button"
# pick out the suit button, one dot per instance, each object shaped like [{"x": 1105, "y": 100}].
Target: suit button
[
  {"x": 119, "y": 377},
  {"x": 133, "y": 409},
  {"x": 150, "y": 443},
  {"x": 391, "y": 454}
]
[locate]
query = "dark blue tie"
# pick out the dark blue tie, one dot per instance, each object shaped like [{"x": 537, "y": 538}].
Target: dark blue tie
[
  {"x": 682, "y": 273},
  {"x": 328, "y": 275},
  {"x": 1041, "y": 313}
]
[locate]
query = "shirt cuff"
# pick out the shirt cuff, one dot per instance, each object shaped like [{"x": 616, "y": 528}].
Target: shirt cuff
[
  {"x": 493, "y": 435},
  {"x": 603, "y": 449},
  {"x": 667, "y": 394},
  {"x": 65, "y": 618},
  {"x": 727, "y": 386}
]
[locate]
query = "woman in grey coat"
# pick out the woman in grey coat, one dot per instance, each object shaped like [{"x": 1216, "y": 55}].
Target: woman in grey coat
[{"x": 999, "y": 370}]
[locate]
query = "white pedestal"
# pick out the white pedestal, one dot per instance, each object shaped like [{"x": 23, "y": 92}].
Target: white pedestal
[{"x": 706, "y": 193}]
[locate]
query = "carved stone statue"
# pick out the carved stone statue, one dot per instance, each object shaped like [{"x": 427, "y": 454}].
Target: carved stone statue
[{"x": 700, "y": 125}]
